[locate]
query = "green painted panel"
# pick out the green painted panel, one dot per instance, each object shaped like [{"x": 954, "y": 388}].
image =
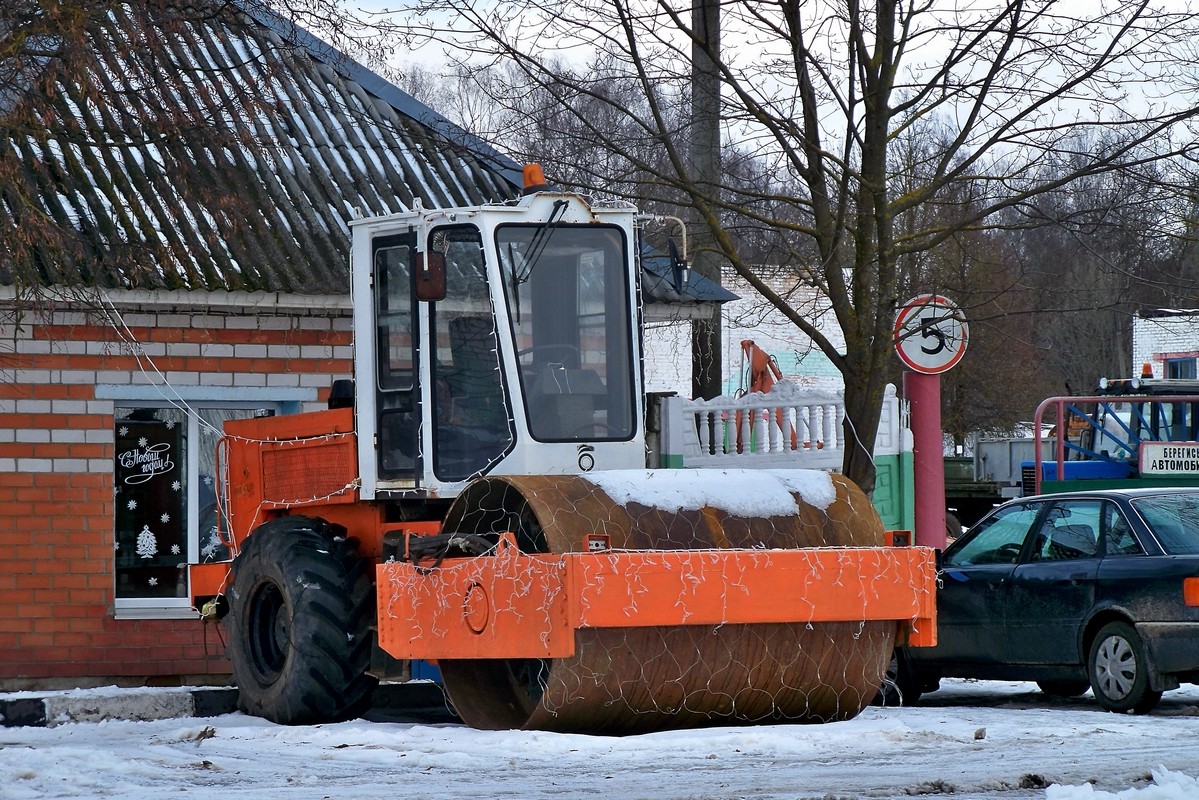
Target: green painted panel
[
  {"x": 893, "y": 491},
  {"x": 1082, "y": 485}
]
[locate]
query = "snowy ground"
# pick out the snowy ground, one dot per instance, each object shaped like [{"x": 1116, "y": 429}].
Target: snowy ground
[{"x": 970, "y": 740}]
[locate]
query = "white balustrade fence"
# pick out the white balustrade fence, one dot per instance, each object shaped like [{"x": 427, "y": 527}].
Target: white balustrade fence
[{"x": 786, "y": 427}]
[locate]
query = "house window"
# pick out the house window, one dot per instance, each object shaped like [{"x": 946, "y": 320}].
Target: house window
[
  {"x": 1183, "y": 368},
  {"x": 166, "y": 485}
]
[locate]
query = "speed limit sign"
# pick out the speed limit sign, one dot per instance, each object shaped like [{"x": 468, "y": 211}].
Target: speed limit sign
[{"x": 930, "y": 334}]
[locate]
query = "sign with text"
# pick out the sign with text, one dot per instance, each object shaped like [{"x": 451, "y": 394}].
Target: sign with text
[{"x": 1170, "y": 458}]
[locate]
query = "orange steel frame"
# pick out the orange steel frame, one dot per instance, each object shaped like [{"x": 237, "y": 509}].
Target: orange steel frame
[
  {"x": 529, "y": 605},
  {"x": 294, "y": 464}
]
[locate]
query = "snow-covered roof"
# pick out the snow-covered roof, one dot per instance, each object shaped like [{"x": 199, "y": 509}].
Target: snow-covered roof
[{"x": 292, "y": 138}]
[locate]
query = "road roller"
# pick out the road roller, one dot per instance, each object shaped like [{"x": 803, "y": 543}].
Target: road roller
[{"x": 477, "y": 498}]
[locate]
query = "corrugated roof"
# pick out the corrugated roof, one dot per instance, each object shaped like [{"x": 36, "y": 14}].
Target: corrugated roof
[
  {"x": 222, "y": 151},
  {"x": 291, "y": 138}
]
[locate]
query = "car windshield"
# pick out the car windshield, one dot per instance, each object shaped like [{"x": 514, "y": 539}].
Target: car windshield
[{"x": 1174, "y": 519}]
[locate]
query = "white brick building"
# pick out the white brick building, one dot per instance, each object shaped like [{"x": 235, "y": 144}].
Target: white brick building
[{"x": 1168, "y": 341}]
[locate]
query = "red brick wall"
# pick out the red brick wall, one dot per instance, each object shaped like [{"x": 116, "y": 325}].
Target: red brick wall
[{"x": 57, "y": 623}]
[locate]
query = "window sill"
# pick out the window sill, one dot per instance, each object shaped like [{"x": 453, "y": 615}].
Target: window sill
[{"x": 155, "y": 612}]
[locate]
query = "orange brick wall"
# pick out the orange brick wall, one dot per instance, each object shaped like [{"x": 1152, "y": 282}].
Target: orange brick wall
[{"x": 57, "y": 624}]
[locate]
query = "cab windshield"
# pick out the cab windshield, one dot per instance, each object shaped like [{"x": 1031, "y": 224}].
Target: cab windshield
[{"x": 567, "y": 292}]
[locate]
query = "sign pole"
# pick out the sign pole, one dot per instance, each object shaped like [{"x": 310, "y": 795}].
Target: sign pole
[
  {"x": 923, "y": 393},
  {"x": 930, "y": 338}
]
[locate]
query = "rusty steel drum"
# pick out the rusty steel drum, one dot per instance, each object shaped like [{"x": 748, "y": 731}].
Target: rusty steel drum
[{"x": 634, "y": 680}]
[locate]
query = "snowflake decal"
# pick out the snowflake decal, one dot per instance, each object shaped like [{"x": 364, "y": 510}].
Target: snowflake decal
[
  {"x": 142, "y": 442},
  {"x": 165, "y": 518},
  {"x": 153, "y": 581},
  {"x": 176, "y": 486},
  {"x": 208, "y": 480},
  {"x": 132, "y": 505},
  {"x": 170, "y": 425},
  {"x": 175, "y": 549},
  {"x": 123, "y": 430}
]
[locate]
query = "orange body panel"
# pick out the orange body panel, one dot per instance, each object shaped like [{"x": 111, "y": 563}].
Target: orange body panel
[
  {"x": 516, "y": 605},
  {"x": 207, "y": 580},
  {"x": 288, "y": 462}
]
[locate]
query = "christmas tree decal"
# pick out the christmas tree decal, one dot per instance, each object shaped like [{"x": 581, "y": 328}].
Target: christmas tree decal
[{"x": 147, "y": 544}]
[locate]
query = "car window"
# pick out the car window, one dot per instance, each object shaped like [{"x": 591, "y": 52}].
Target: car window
[
  {"x": 996, "y": 540},
  {"x": 1069, "y": 530},
  {"x": 1174, "y": 520},
  {"x": 1118, "y": 539}
]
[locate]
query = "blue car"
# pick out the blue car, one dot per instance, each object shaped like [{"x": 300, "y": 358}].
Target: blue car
[{"x": 1088, "y": 589}]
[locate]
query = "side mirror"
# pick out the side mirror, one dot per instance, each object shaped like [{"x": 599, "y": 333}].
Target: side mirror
[
  {"x": 429, "y": 278},
  {"x": 680, "y": 267}
]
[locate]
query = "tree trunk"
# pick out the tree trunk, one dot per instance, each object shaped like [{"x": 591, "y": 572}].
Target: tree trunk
[
  {"x": 707, "y": 368},
  {"x": 863, "y": 410}
]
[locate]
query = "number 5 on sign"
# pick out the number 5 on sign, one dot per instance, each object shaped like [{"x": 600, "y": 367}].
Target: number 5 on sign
[{"x": 930, "y": 334}]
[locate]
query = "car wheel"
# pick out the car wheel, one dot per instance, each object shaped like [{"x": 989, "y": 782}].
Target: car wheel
[
  {"x": 901, "y": 684},
  {"x": 1119, "y": 670},
  {"x": 1063, "y": 688}
]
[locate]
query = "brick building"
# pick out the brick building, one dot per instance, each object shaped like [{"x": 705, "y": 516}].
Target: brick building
[
  {"x": 116, "y": 373},
  {"x": 81, "y": 595},
  {"x": 1168, "y": 341}
]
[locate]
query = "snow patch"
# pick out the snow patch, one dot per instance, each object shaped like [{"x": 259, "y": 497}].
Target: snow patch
[
  {"x": 741, "y": 492},
  {"x": 1167, "y": 785}
]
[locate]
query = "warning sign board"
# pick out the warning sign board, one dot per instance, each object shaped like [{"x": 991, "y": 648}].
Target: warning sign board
[
  {"x": 930, "y": 334},
  {"x": 1170, "y": 458}
]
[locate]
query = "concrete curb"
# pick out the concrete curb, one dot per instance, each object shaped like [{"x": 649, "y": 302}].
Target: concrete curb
[
  {"x": 418, "y": 701},
  {"x": 136, "y": 705}
]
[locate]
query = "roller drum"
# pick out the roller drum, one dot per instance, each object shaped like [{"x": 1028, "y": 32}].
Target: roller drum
[{"x": 633, "y": 680}]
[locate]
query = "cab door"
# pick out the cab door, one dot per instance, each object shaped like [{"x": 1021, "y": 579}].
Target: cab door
[
  {"x": 443, "y": 414},
  {"x": 397, "y": 340},
  {"x": 469, "y": 413}
]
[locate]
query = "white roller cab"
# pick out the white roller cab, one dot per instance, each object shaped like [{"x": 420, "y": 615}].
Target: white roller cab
[{"x": 498, "y": 339}]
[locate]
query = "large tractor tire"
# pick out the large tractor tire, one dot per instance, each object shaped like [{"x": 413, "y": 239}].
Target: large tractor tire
[
  {"x": 643, "y": 679},
  {"x": 302, "y": 604}
]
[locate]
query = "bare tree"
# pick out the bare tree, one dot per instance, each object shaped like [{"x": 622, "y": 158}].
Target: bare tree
[{"x": 822, "y": 92}]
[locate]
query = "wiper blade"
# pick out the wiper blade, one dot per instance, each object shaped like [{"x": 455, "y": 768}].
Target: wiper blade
[{"x": 537, "y": 244}]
